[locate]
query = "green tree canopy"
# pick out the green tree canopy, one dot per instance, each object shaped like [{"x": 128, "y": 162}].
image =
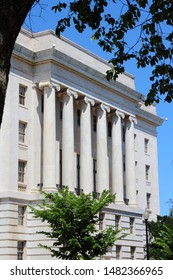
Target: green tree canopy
[
  {"x": 72, "y": 224},
  {"x": 161, "y": 237}
]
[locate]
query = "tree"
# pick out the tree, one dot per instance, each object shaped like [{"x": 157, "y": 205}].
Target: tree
[
  {"x": 161, "y": 237},
  {"x": 170, "y": 202},
  {"x": 72, "y": 222},
  {"x": 13, "y": 14},
  {"x": 112, "y": 22}
]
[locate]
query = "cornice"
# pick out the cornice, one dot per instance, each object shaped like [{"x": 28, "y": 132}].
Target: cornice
[
  {"x": 149, "y": 117},
  {"x": 65, "y": 60},
  {"x": 34, "y": 35},
  {"x": 59, "y": 58}
]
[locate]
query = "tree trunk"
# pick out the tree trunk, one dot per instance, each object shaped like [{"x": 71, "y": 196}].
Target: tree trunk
[{"x": 13, "y": 14}]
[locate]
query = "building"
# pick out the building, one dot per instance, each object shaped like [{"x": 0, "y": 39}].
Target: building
[{"x": 64, "y": 124}]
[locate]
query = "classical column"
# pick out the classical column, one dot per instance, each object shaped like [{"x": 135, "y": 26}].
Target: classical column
[
  {"x": 130, "y": 161},
  {"x": 35, "y": 139},
  {"x": 102, "y": 149},
  {"x": 86, "y": 162},
  {"x": 68, "y": 166},
  {"x": 117, "y": 157},
  {"x": 49, "y": 136}
]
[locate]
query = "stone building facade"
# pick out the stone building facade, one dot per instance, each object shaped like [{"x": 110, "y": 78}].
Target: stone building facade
[{"x": 64, "y": 124}]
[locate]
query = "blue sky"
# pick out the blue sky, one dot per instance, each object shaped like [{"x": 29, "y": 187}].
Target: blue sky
[{"x": 46, "y": 19}]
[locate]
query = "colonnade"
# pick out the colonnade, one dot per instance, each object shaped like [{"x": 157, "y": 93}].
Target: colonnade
[{"x": 86, "y": 161}]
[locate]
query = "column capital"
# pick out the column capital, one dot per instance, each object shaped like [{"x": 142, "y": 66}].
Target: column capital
[
  {"x": 35, "y": 86},
  {"x": 119, "y": 114},
  {"x": 44, "y": 84},
  {"x": 103, "y": 107},
  {"x": 86, "y": 100},
  {"x": 48, "y": 83},
  {"x": 132, "y": 119},
  {"x": 72, "y": 93},
  {"x": 57, "y": 87}
]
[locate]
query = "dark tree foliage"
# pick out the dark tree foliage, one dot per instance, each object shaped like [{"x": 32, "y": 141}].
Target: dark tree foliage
[
  {"x": 161, "y": 237},
  {"x": 170, "y": 202},
  {"x": 72, "y": 224},
  {"x": 113, "y": 21}
]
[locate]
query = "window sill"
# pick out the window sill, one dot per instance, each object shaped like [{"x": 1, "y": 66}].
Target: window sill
[
  {"x": 23, "y": 146},
  {"x": 23, "y": 107},
  {"x": 22, "y": 187}
]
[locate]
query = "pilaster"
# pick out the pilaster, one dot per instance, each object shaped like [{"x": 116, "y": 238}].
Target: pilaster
[
  {"x": 117, "y": 157},
  {"x": 86, "y": 162},
  {"x": 130, "y": 161},
  {"x": 49, "y": 135},
  {"x": 68, "y": 166},
  {"x": 102, "y": 149}
]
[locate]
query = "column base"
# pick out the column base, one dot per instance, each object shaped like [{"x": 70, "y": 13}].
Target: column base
[
  {"x": 119, "y": 202},
  {"x": 49, "y": 188},
  {"x": 35, "y": 190},
  {"x": 132, "y": 204}
]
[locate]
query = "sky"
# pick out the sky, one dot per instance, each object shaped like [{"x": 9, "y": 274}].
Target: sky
[{"x": 44, "y": 18}]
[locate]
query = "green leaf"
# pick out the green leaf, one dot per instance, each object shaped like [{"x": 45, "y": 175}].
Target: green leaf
[{"x": 72, "y": 223}]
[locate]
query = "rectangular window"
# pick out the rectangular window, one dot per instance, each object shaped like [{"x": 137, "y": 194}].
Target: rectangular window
[
  {"x": 136, "y": 171},
  {"x": 42, "y": 103},
  {"x": 94, "y": 123},
  {"x": 78, "y": 174},
  {"x": 125, "y": 196},
  {"x": 60, "y": 167},
  {"x": 117, "y": 222},
  {"x": 123, "y": 133},
  {"x": 20, "y": 250},
  {"x": 60, "y": 110},
  {"x": 22, "y": 132},
  {"x": 22, "y": 95},
  {"x": 78, "y": 117},
  {"x": 21, "y": 171},
  {"x": 148, "y": 198},
  {"x": 101, "y": 220},
  {"x": 109, "y": 129},
  {"x": 135, "y": 143},
  {"x": 147, "y": 172},
  {"x": 137, "y": 192},
  {"x": 94, "y": 174},
  {"x": 146, "y": 145},
  {"x": 132, "y": 253},
  {"x": 21, "y": 215},
  {"x": 124, "y": 163},
  {"x": 118, "y": 252},
  {"x": 132, "y": 222},
  {"x": 136, "y": 165}
]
